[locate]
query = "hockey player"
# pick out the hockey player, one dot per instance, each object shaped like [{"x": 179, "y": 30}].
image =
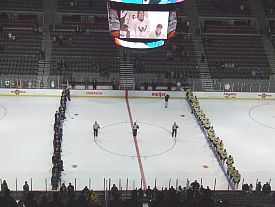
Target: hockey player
[
  {"x": 224, "y": 156},
  {"x": 236, "y": 178},
  {"x": 166, "y": 98},
  {"x": 230, "y": 171},
  {"x": 230, "y": 160},
  {"x": 96, "y": 127},
  {"x": 174, "y": 129},
  {"x": 207, "y": 124},
  {"x": 135, "y": 128},
  {"x": 216, "y": 141},
  {"x": 68, "y": 94},
  {"x": 220, "y": 148},
  {"x": 140, "y": 26}
]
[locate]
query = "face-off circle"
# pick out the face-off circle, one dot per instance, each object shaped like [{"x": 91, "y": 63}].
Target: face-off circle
[
  {"x": 262, "y": 114},
  {"x": 3, "y": 112},
  {"x": 152, "y": 139}
]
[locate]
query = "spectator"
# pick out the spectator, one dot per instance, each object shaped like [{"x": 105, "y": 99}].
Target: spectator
[
  {"x": 94, "y": 84},
  {"x": 11, "y": 36},
  {"x": 26, "y": 187},
  {"x": 242, "y": 7},
  {"x": 259, "y": 187},
  {"x": 94, "y": 199},
  {"x": 63, "y": 190},
  {"x": 114, "y": 191},
  {"x": 40, "y": 29},
  {"x": 72, "y": 3},
  {"x": 63, "y": 66},
  {"x": 77, "y": 29},
  {"x": 266, "y": 188},
  {"x": 70, "y": 190},
  {"x": 202, "y": 57},
  {"x": 172, "y": 192},
  {"x": 86, "y": 83},
  {"x": 86, "y": 192},
  {"x": 20, "y": 203},
  {"x": 4, "y": 186},
  {"x": 245, "y": 189},
  {"x": 7, "y": 200},
  {"x": 187, "y": 26},
  {"x": 250, "y": 190},
  {"x": 145, "y": 85},
  {"x": 195, "y": 185},
  {"x": 140, "y": 193},
  {"x": 154, "y": 86},
  {"x": 30, "y": 202},
  {"x": 148, "y": 193},
  {"x": 42, "y": 54}
]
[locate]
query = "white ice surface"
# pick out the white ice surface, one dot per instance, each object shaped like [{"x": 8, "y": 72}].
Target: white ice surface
[
  {"x": 162, "y": 156},
  {"x": 248, "y": 131},
  {"x": 26, "y": 136}
]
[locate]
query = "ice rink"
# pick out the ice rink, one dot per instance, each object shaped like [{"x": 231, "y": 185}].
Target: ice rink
[
  {"x": 248, "y": 131},
  {"x": 247, "y": 128}
]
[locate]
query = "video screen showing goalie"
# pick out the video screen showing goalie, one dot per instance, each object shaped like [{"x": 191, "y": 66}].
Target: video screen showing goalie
[{"x": 144, "y": 24}]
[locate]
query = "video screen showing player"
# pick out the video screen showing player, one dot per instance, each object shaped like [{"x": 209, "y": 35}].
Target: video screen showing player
[{"x": 143, "y": 24}]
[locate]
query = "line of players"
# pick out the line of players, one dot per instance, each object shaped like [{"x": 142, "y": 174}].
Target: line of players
[
  {"x": 215, "y": 142},
  {"x": 59, "y": 118}
]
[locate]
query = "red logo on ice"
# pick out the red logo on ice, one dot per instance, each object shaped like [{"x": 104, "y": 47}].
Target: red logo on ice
[{"x": 264, "y": 95}]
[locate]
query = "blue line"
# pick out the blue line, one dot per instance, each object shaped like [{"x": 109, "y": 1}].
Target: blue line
[{"x": 214, "y": 151}]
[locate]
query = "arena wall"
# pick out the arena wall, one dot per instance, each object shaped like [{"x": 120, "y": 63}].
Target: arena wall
[{"x": 136, "y": 94}]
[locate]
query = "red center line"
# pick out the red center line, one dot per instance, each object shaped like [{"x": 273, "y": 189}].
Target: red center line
[{"x": 135, "y": 141}]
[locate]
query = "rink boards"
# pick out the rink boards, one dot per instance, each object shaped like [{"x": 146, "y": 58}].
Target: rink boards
[{"x": 137, "y": 94}]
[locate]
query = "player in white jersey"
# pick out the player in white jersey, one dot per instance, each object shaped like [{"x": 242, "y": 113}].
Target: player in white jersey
[
  {"x": 96, "y": 127},
  {"x": 140, "y": 26}
]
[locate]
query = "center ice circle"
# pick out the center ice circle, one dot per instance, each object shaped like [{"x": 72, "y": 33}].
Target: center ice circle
[
  {"x": 2, "y": 112},
  {"x": 152, "y": 139},
  {"x": 264, "y": 115}
]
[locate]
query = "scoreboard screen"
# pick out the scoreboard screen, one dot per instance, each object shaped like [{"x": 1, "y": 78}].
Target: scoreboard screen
[{"x": 142, "y": 24}]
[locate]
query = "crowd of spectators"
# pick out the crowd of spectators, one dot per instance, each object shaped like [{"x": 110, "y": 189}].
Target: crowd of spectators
[
  {"x": 57, "y": 141},
  {"x": 228, "y": 6},
  {"x": 265, "y": 189},
  {"x": 193, "y": 195},
  {"x": 270, "y": 7},
  {"x": 215, "y": 143},
  {"x": 66, "y": 197},
  {"x": 178, "y": 50}
]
